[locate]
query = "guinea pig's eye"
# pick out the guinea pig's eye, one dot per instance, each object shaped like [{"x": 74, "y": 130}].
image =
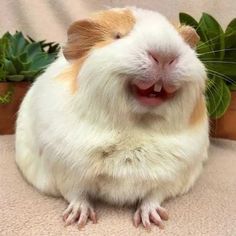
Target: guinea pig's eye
[{"x": 117, "y": 35}]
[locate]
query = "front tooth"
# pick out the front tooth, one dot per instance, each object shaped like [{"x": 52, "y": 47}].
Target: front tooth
[
  {"x": 157, "y": 87},
  {"x": 143, "y": 84}
]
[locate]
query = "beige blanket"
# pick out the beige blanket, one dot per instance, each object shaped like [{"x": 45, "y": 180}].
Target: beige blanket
[{"x": 208, "y": 209}]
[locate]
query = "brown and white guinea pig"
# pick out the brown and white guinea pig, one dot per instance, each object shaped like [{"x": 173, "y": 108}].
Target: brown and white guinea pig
[{"x": 120, "y": 117}]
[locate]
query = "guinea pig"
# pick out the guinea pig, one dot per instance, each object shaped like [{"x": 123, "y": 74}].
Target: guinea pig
[{"x": 120, "y": 117}]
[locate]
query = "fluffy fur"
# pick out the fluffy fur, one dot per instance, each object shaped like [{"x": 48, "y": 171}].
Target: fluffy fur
[{"x": 97, "y": 141}]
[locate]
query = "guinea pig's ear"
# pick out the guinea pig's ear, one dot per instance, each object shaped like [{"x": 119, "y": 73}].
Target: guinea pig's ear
[
  {"x": 81, "y": 36},
  {"x": 189, "y": 35}
]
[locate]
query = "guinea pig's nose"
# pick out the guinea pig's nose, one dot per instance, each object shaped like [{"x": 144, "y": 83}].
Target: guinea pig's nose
[{"x": 163, "y": 60}]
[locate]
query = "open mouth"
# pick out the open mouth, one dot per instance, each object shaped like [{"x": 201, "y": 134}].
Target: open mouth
[{"x": 152, "y": 93}]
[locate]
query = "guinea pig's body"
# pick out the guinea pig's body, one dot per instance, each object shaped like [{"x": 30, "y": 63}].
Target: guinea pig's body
[{"x": 82, "y": 135}]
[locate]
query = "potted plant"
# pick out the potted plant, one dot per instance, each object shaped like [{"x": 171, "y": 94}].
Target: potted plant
[
  {"x": 21, "y": 61},
  {"x": 217, "y": 50}
]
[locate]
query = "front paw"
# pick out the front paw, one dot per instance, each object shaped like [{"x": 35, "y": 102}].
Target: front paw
[
  {"x": 149, "y": 212},
  {"x": 80, "y": 212}
]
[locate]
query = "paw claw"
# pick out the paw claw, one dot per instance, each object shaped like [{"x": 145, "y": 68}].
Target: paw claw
[
  {"x": 137, "y": 218},
  {"x": 163, "y": 213},
  {"x": 82, "y": 222},
  {"x": 156, "y": 219},
  {"x": 78, "y": 211},
  {"x": 147, "y": 212},
  {"x": 147, "y": 225},
  {"x": 92, "y": 216}
]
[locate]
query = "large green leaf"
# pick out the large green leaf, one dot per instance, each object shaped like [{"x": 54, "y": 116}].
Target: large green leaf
[
  {"x": 213, "y": 34},
  {"x": 223, "y": 67},
  {"x": 205, "y": 51},
  {"x": 186, "y": 19},
  {"x": 230, "y": 34},
  {"x": 230, "y": 41},
  {"x": 218, "y": 98}
]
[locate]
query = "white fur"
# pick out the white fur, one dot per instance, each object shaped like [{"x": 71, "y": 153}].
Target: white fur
[{"x": 100, "y": 141}]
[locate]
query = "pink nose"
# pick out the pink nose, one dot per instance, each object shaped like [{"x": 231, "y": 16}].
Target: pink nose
[{"x": 163, "y": 60}]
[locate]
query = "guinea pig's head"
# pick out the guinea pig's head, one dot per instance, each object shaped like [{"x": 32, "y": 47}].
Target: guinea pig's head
[{"x": 135, "y": 60}]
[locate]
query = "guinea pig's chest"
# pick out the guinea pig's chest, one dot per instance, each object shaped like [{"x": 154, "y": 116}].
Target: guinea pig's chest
[
  {"x": 120, "y": 190},
  {"x": 135, "y": 158},
  {"x": 125, "y": 175}
]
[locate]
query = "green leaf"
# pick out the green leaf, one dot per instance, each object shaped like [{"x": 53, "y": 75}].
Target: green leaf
[
  {"x": 15, "y": 78},
  {"x": 29, "y": 74},
  {"x": 2, "y": 75},
  {"x": 17, "y": 64},
  {"x": 218, "y": 98},
  {"x": 223, "y": 67},
  {"x": 230, "y": 34},
  {"x": 230, "y": 41},
  {"x": 20, "y": 43},
  {"x": 33, "y": 49},
  {"x": 42, "y": 60},
  {"x": 7, "y": 36},
  {"x": 204, "y": 51},
  {"x": 213, "y": 34},
  {"x": 3, "y": 47},
  {"x": 189, "y": 20},
  {"x": 23, "y": 57},
  {"x": 9, "y": 67}
]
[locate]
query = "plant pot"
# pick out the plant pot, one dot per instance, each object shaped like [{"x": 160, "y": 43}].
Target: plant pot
[
  {"x": 225, "y": 127},
  {"x": 10, "y": 106}
]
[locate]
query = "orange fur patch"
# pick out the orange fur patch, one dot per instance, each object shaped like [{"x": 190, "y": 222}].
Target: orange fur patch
[
  {"x": 189, "y": 35},
  {"x": 99, "y": 30},
  {"x": 199, "y": 111},
  {"x": 70, "y": 74}
]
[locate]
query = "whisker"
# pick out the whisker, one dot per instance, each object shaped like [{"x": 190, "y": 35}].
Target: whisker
[
  {"x": 223, "y": 62},
  {"x": 226, "y": 49},
  {"x": 202, "y": 44},
  {"x": 210, "y": 91},
  {"x": 220, "y": 75},
  {"x": 213, "y": 59}
]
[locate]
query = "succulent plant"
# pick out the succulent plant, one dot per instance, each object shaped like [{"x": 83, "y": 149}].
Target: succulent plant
[
  {"x": 217, "y": 50},
  {"x": 23, "y": 59}
]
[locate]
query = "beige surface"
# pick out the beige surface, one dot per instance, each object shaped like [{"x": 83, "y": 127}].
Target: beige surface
[
  {"x": 209, "y": 209},
  {"x": 50, "y": 18}
]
